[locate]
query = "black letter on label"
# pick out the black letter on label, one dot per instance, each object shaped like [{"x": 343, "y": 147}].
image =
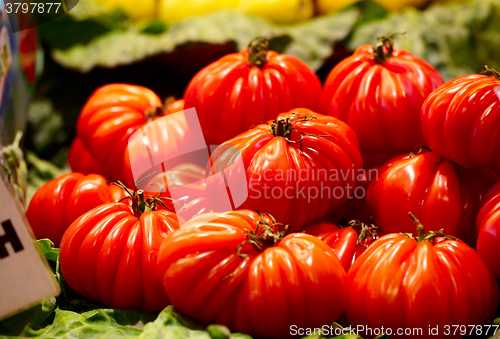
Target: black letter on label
[{"x": 9, "y": 236}]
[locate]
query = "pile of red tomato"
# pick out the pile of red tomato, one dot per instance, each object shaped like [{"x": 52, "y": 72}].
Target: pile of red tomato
[{"x": 427, "y": 259}]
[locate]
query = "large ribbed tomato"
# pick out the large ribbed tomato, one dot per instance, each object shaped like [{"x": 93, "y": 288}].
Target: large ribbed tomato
[
  {"x": 80, "y": 160},
  {"x": 413, "y": 285},
  {"x": 241, "y": 89},
  {"x": 61, "y": 201},
  {"x": 488, "y": 228},
  {"x": 379, "y": 92},
  {"x": 110, "y": 254},
  {"x": 441, "y": 193},
  {"x": 236, "y": 269},
  {"x": 347, "y": 242},
  {"x": 297, "y": 167},
  {"x": 460, "y": 121}
]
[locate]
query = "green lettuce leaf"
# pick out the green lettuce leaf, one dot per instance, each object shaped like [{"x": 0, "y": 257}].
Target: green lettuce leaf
[
  {"x": 312, "y": 41},
  {"x": 456, "y": 38}
]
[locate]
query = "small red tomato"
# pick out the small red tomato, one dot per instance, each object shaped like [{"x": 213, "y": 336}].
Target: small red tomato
[
  {"x": 415, "y": 284},
  {"x": 460, "y": 120},
  {"x": 61, "y": 201},
  {"x": 347, "y": 242},
  {"x": 109, "y": 254},
  {"x": 379, "y": 91},
  {"x": 488, "y": 228},
  {"x": 242, "y": 89},
  {"x": 236, "y": 269},
  {"x": 443, "y": 194}
]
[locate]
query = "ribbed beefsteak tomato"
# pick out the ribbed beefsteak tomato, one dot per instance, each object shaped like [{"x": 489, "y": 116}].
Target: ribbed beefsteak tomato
[
  {"x": 460, "y": 121},
  {"x": 488, "y": 228},
  {"x": 61, "y": 201},
  {"x": 110, "y": 253},
  {"x": 443, "y": 194},
  {"x": 379, "y": 91},
  {"x": 298, "y": 166},
  {"x": 347, "y": 242},
  {"x": 241, "y": 89},
  {"x": 236, "y": 269},
  {"x": 80, "y": 160},
  {"x": 413, "y": 285}
]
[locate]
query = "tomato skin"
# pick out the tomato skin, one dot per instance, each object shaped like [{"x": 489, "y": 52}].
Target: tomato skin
[
  {"x": 60, "y": 201},
  {"x": 488, "y": 227},
  {"x": 441, "y": 194},
  {"x": 460, "y": 119},
  {"x": 80, "y": 160},
  {"x": 110, "y": 116},
  {"x": 232, "y": 93},
  {"x": 399, "y": 283},
  {"x": 110, "y": 255},
  {"x": 273, "y": 164},
  {"x": 380, "y": 99},
  {"x": 343, "y": 241},
  {"x": 194, "y": 260}
]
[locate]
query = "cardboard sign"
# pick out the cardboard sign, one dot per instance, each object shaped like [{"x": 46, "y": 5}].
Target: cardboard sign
[{"x": 25, "y": 277}]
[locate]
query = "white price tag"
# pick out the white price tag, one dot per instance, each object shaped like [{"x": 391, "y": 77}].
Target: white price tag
[{"x": 25, "y": 277}]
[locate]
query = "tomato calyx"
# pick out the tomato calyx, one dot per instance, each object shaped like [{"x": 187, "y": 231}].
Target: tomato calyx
[
  {"x": 490, "y": 71},
  {"x": 266, "y": 234},
  {"x": 419, "y": 150},
  {"x": 283, "y": 127},
  {"x": 430, "y": 236},
  {"x": 365, "y": 232},
  {"x": 384, "y": 47},
  {"x": 140, "y": 201},
  {"x": 257, "y": 51}
]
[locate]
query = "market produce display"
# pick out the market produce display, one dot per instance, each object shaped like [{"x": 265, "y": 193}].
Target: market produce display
[
  {"x": 242, "y": 89},
  {"x": 370, "y": 201}
]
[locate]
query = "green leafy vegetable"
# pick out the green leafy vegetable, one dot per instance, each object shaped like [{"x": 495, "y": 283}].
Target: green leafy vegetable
[
  {"x": 457, "y": 39},
  {"x": 311, "y": 41},
  {"x": 51, "y": 253}
]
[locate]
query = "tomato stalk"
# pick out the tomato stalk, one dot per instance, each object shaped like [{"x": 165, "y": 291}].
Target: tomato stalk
[
  {"x": 257, "y": 51},
  {"x": 266, "y": 234},
  {"x": 490, "y": 71},
  {"x": 364, "y": 231},
  {"x": 384, "y": 47},
  {"x": 153, "y": 113},
  {"x": 430, "y": 236}
]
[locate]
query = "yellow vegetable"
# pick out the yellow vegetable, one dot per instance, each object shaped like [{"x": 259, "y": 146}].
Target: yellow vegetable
[
  {"x": 171, "y": 11},
  {"x": 137, "y": 10},
  {"x": 279, "y": 11},
  {"x": 328, "y": 6}
]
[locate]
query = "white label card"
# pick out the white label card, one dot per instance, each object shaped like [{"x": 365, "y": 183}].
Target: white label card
[{"x": 25, "y": 277}]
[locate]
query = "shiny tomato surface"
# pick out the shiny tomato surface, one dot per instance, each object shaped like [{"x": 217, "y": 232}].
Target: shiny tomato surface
[
  {"x": 403, "y": 283},
  {"x": 259, "y": 288},
  {"x": 380, "y": 98},
  {"x": 110, "y": 255},
  {"x": 61, "y": 201},
  {"x": 439, "y": 193},
  {"x": 80, "y": 160},
  {"x": 460, "y": 121},
  {"x": 488, "y": 228},
  {"x": 241, "y": 89},
  {"x": 296, "y": 168},
  {"x": 347, "y": 242}
]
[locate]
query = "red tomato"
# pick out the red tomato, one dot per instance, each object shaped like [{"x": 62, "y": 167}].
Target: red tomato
[
  {"x": 379, "y": 92},
  {"x": 460, "y": 120},
  {"x": 408, "y": 283},
  {"x": 235, "y": 269},
  {"x": 172, "y": 105},
  {"x": 440, "y": 192},
  {"x": 108, "y": 119},
  {"x": 80, "y": 160},
  {"x": 297, "y": 167},
  {"x": 61, "y": 201},
  {"x": 242, "y": 89},
  {"x": 348, "y": 242},
  {"x": 488, "y": 227},
  {"x": 110, "y": 254}
]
